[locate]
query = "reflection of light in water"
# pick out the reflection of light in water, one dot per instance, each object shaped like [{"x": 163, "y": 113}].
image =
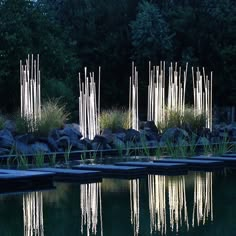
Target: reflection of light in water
[
  {"x": 33, "y": 214},
  {"x": 157, "y": 208},
  {"x": 134, "y": 204},
  {"x": 90, "y": 204},
  {"x": 177, "y": 203},
  {"x": 203, "y": 199},
  {"x": 178, "y": 215}
]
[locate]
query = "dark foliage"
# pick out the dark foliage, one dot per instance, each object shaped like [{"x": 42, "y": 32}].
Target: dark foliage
[{"x": 69, "y": 34}]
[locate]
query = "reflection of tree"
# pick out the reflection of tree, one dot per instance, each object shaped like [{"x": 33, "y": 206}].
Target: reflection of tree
[
  {"x": 158, "y": 197},
  {"x": 134, "y": 204},
  {"x": 203, "y": 199},
  {"x": 91, "y": 207},
  {"x": 33, "y": 214}
]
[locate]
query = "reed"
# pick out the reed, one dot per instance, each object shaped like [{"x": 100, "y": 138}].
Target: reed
[{"x": 39, "y": 159}]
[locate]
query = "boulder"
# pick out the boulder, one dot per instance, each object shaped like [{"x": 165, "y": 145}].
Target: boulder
[
  {"x": 87, "y": 143},
  {"x": 117, "y": 143},
  {"x": 132, "y": 135},
  {"x": 6, "y": 139},
  {"x": 72, "y": 132},
  {"x": 173, "y": 135},
  {"x": 22, "y": 148},
  {"x": 63, "y": 142},
  {"x": 150, "y": 126},
  {"x": 26, "y": 138},
  {"x": 4, "y": 151},
  {"x": 55, "y": 134},
  {"x": 39, "y": 147},
  {"x": 52, "y": 144},
  {"x": 10, "y": 125}
]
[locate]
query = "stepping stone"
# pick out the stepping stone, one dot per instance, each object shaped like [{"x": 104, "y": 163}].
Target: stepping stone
[
  {"x": 62, "y": 174},
  {"x": 113, "y": 171},
  {"x": 158, "y": 168},
  {"x": 233, "y": 155},
  {"x": 19, "y": 180},
  {"x": 228, "y": 161},
  {"x": 196, "y": 165}
]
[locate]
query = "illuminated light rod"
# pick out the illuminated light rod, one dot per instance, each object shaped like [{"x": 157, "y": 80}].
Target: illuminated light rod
[
  {"x": 30, "y": 90},
  {"x": 89, "y": 105},
  {"x": 133, "y": 99},
  {"x": 202, "y": 94},
  {"x": 156, "y": 91}
]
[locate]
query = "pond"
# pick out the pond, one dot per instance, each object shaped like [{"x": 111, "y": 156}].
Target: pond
[{"x": 200, "y": 203}]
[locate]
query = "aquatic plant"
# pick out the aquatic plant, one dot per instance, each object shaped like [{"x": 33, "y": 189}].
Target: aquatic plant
[
  {"x": 39, "y": 159},
  {"x": 22, "y": 161},
  {"x": 52, "y": 159}
]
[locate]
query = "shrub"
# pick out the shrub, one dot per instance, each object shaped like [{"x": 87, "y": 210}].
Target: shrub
[
  {"x": 186, "y": 121},
  {"x": 53, "y": 116},
  {"x": 114, "y": 119}
]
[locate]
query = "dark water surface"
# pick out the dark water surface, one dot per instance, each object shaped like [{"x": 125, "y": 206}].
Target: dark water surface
[{"x": 196, "y": 204}]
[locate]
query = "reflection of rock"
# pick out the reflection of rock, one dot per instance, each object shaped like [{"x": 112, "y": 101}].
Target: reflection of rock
[
  {"x": 33, "y": 214},
  {"x": 160, "y": 200},
  {"x": 203, "y": 199},
  {"x": 134, "y": 204},
  {"x": 91, "y": 208}
]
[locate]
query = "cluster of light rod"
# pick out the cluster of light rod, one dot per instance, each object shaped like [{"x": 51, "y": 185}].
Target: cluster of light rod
[
  {"x": 134, "y": 204},
  {"x": 91, "y": 208},
  {"x": 177, "y": 203},
  {"x": 133, "y": 99},
  {"x": 30, "y": 89},
  {"x": 176, "y": 90},
  {"x": 33, "y": 214},
  {"x": 202, "y": 94},
  {"x": 160, "y": 200},
  {"x": 89, "y": 105},
  {"x": 157, "y": 203},
  {"x": 203, "y": 199}
]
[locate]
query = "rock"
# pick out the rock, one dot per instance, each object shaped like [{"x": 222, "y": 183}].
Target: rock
[
  {"x": 10, "y": 125},
  {"x": 63, "y": 142},
  {"x": 174, "y": 135},
  {"x": 117, "y": 143},
  {"x": 100, "y": 139},
  {"x": 87, "y": 143},
  {"x": 40, "y": 148},
  {"x": 107, "y": 133},
  {"x": 4, "y": 151},
  {"x": 150, "y": 126},
  {"x": 71, "y": 132},
  {"x": 22, "y": 148},
  {"x": 52, "y": 144},
  {"x": 132, "y": 135},
  {"x": 26, "y": 138},
  {"x": 6, "y": 139},
  {"x": 203, "y": 141},
  {"x": 80, "y": 146},
  {"x": 149, "y": 135},
  {"x": 55, "y": 134},
  {"x": 120, "y": 135}
]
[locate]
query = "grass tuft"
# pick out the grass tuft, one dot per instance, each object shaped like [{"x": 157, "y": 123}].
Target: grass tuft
[{"x": 114, "y": 119}]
